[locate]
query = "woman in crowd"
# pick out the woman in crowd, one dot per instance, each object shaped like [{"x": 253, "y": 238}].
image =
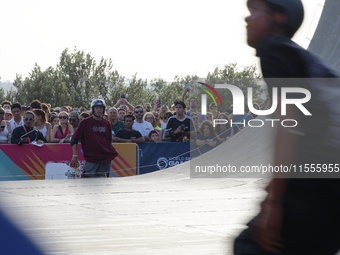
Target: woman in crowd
[
  {"x": 54, "y": 121},
  {"x": 42, "y": 125},
  {"x": 157, "y": 121},
  {"x": 223, "y": 131},
  {"x": 62, "y": 132},
  {"x": 5, "y": 128},
  {"x": 149, "y": 117},
  {"x": 163, "y": 110},
  {"x": 197, "y": 121},
  {"x": 165, "y": 118},
  {"x": 213, "y": 110},
  {"x": 207, "y": 140}
]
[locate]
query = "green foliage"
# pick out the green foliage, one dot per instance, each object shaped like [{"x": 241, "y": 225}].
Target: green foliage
[{"x": 78, "y": 79}]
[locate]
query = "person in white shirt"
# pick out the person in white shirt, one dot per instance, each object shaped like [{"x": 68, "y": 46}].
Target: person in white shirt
[
  {"x": 17, "y": 120},
  {"x": 140, "y": 125}
]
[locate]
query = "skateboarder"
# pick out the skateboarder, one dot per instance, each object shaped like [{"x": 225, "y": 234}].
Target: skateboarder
[
  {"x": 95, "y": 135},
  {"x": 299, "y": 215}
]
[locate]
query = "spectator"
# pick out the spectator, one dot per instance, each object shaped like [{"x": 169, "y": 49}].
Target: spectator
[
  {"x": 35, "y": 104},
  {"x": 42, "y": 125},
  {"x": 5, "y": 128},
  {"x": 17, "y": 119},
  {"x": 106, "y": 117},
  {"x": 8, "y": 115},
  {"x": 223, "y": 130},
  {"x": 157, "y": 121},
  {"x": 57, "y": 110},
  {"x": 165, "y": 118},
  {"x": 123, "y": 103},
  {"x": 181, "y": 126},
  {"x": 128, "y": 135},
  {"x": 64, "y": 109},
  {"x": 95, "y": 135},
  {"x": 121, "y": 114},
  {"x": 74, "y": 120},
  {"x": 140, "y": 125},
  {"x": 25, "y": 129},
  {"x": 213, "y": 110},
  {"x": 154, "y": 136},
  {"x": 197, "y": 121},
  {"x": 116, "y": 124},
  {"x": 193, "y": 104},
  {"x": 55, "y": 121},
  {"x": 163, "y": 110},
  {"x": 157, "y": 105},
  {"x": 207, "y": 140},
  {"x": 63, "y": 132},
  {"x": 149, "y": 117},
  {"x": 83, "y": 115},
  {"x": 257, "y": 107},
  {"x": 147, "y": 107},
  {"x": 209, "y": 116},
  {"x": 6, "y": 105},
  {"x": 46, "y": 110}
]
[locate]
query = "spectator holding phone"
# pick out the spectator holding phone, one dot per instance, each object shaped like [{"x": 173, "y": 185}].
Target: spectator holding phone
[
  {"x": 193, "y": 103},
  {"x": 180, "y": 127},
  {"x": 123, "y": 103}
]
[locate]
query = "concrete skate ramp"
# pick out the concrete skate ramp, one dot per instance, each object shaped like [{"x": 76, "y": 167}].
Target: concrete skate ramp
[
  {"x": 326, "y": 39},
  {"x": 164, "y": 212}
]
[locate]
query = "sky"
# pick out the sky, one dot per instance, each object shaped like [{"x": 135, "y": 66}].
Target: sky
[{"x": 153, "y": 38}]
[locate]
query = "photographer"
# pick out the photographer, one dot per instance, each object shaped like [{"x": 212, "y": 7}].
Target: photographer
[
  {"x": 180, "y": 127},
  {"x": 27, "y": 128}
]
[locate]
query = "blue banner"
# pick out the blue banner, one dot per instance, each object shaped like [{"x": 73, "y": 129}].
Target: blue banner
[{"x": 153, "y": 157}]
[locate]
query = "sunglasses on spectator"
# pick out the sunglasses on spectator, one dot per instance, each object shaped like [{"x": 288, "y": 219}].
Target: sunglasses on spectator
[
  {"x": 141, "y": 111},
  {"x": 2, "y": 126},
  {"x": 63, "y": 117},
  {"x": 72, "y": 120},
  {"x": 29, "y": 119}
]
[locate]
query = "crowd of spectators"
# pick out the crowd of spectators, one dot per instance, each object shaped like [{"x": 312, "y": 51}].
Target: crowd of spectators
[{"x": 136, "y": 124}]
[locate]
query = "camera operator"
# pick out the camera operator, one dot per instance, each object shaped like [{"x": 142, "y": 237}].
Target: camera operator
[
  {"x": 180, "y": 127},
  {"x": 27, "y": 128}
]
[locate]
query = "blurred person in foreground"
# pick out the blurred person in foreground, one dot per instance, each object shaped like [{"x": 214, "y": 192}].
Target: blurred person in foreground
[
  {"x": 95, "y": 135},
  {"x": 299, "y": 215}
]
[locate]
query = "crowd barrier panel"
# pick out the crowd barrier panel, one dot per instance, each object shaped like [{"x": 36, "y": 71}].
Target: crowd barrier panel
[{"x": 28, "y": 162}]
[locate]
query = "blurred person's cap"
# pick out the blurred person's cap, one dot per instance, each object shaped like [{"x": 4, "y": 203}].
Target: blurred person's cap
[
  {"x": 57, "y": 109},
  {"x": 74, "y": 114}
]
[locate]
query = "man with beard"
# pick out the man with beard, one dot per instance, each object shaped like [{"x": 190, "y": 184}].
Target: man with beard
[{"x": 27, "y": 128}]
